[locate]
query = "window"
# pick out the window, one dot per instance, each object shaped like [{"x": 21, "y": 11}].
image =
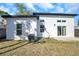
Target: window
[
  {"x": 63, "y": 20},
  {"x": 41, "y": 20},
  {"x": 41, "y": 28},
  {"x": 58, "y": 20},
  {"x": 18, "y": 29},
  {"x": 61, "y": 30}
]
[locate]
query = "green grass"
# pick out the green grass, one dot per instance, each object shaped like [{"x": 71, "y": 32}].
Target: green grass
[{"x": 45, "y": 47}]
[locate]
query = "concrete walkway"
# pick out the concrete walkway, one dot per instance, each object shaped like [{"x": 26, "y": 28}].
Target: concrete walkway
[{"x": 67, "y": 39}]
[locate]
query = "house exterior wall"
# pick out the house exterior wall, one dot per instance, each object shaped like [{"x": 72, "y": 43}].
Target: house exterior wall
[
  {"x": 50, "y": 22},
  {"x": 26, "y": 29}
]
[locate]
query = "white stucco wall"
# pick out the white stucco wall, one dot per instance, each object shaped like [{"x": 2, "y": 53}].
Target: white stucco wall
[
  {"x": 11, "y": 28},
  {"x": 50, "y": 22},
  {"x": 51, "y": 25}
]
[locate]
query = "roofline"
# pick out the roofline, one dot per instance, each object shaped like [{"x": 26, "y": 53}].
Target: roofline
[
  {"x": 55, "y": 14},
  {"x": 36, "y": 15},
  {"x": 6, "y": 16},
  {"x": 15, "y": 16}
]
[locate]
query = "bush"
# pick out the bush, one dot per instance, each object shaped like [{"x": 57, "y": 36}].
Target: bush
[{"x": 31, "y": 37}]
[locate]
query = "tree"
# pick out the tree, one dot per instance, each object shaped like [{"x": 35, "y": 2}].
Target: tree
[
  {"x": 2, "y": 12},
  {"x": 3, "y": 21},
  {"x": 22, "y": 9}
]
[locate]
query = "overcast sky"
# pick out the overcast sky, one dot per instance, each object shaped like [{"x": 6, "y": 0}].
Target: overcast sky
[{"x": 44, "y": 7}]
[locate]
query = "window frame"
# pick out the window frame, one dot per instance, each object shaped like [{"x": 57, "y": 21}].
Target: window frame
[
  {"x": 58, "y": 20},
  {"x": 18, "y": 29},
  {"x": 41, "y": 20},
  {"x": 62, "y": 31},
  {"x": 42, "y": 28},
  {"x": 59, "y": 30},
  {"x": 63, "y": 20}
]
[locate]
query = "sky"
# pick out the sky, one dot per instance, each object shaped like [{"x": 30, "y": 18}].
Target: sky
[{"x": 72, "y": 8}]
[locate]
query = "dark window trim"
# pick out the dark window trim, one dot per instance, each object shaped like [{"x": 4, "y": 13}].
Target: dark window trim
[
  {"x": 41, "y": 20},
  {"x": 19, "y": 29},
  {"x": 63, "y": 20},
  {"x": 58, "y": 20},
  {"x": 60, "y": 31},
  {"x": 42, "y": 28}
]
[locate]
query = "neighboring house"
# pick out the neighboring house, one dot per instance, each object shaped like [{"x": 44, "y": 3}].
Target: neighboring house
[
  {"x": 2, "y": 27},
  {"x": 40, "y": 24}
]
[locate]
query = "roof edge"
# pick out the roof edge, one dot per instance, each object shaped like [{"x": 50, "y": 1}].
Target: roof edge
[
  {"x": 6, "y": 16},
  {"x": 55, "y": 14}
]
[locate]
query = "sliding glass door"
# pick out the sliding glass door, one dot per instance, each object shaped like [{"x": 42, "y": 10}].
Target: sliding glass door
[{"x": 61, "y": 30}]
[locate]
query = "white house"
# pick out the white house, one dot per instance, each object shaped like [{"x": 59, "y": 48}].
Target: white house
[{"x": 40, "y": 24}]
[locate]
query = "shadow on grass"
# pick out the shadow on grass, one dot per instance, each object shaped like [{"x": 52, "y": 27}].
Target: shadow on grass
[
  {"x": 38, "y": 39},
  {"x": 11, "y": 45},
  {"x": 3, "y": 40},
  {"x": 14, "y": 48}
]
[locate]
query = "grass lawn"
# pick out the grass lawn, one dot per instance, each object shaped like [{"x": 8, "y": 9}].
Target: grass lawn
[{"x": 45, "y": 47}]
